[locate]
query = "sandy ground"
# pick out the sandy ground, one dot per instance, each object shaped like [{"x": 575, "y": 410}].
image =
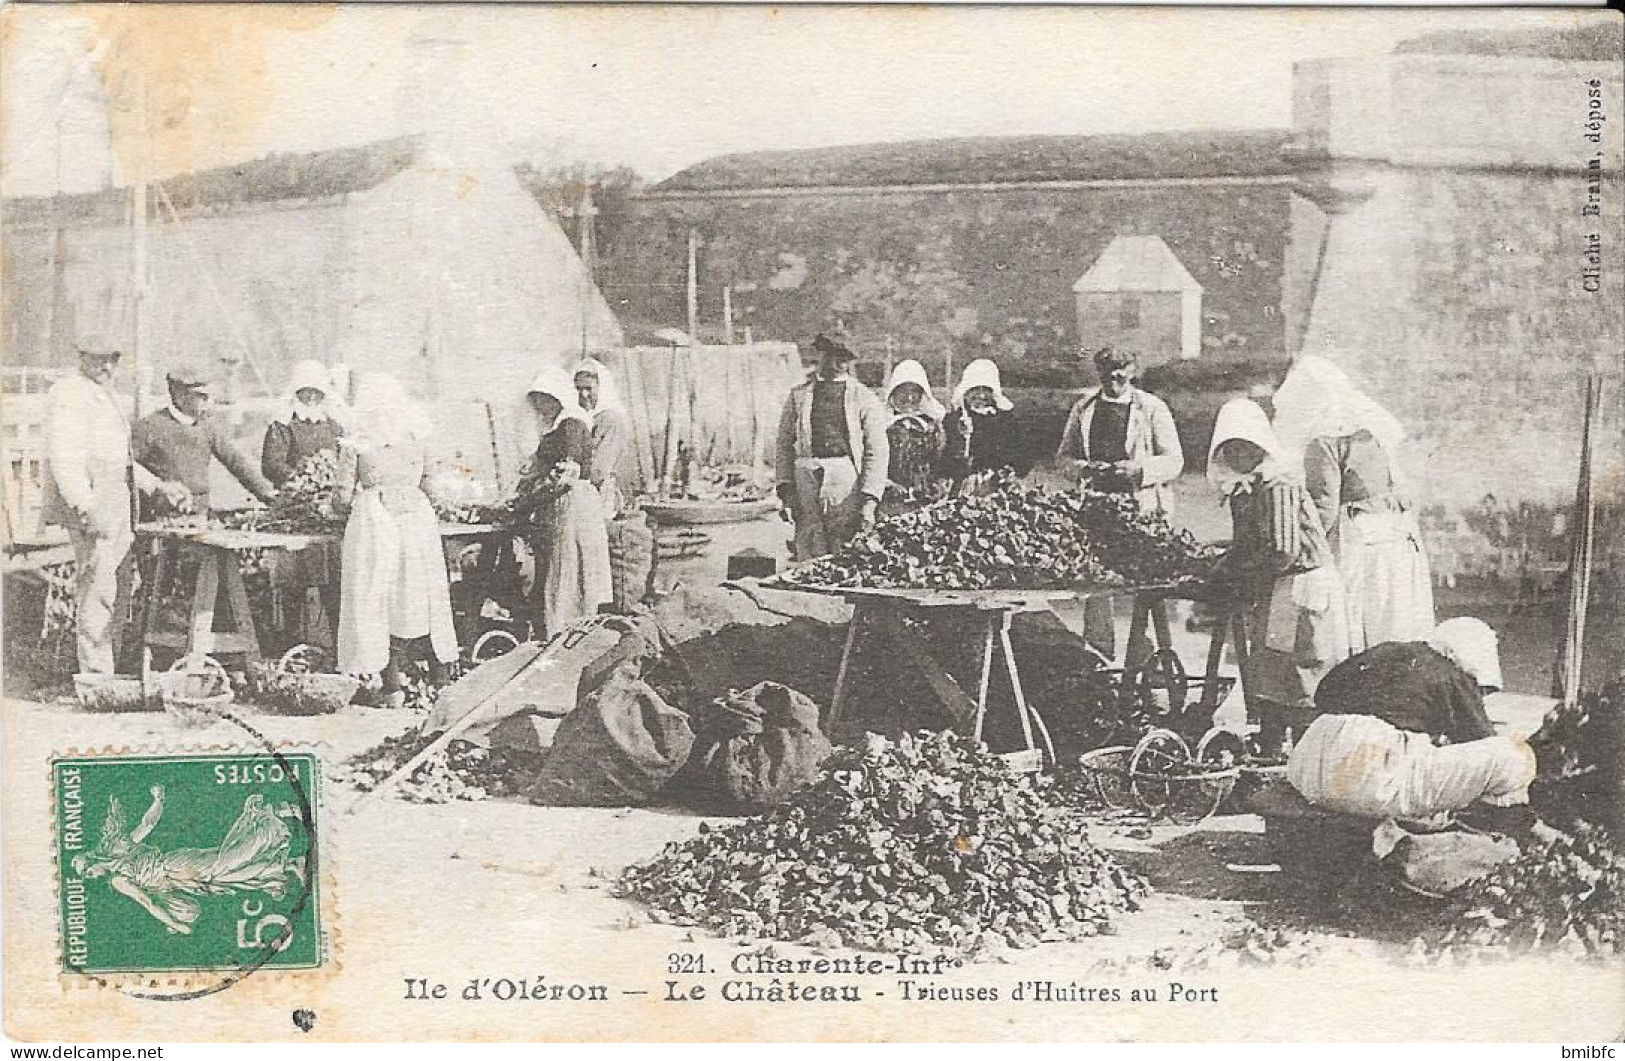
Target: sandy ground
[
  {"x": 454, "y": 892},
  {"x": 466, "y": 891}
]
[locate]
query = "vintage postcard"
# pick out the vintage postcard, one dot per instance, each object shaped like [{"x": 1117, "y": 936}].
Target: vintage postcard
[{"x": 839, "y": 523}]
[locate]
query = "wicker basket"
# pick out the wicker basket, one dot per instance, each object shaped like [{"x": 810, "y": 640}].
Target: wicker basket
[
  {"x": 1107, "y": 768},
  {"x": 293, "y": 686},
  {"x": 103, "y": 693},
  {"x": 195, "y": 690}
]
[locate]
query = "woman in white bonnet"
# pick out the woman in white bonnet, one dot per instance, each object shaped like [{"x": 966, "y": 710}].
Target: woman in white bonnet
[
  {"x": 570, "y": 538},
  {"x": 1347, "y": 446},
  {"x": 396, "y": 595},
  {"x": 915, "y": 434},
  {"x": 600, "y": 399},
  {"x": 1278, "y": 570},
  {"x": 305, "y": 426}
]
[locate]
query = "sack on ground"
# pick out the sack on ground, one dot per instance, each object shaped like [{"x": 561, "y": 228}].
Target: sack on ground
[
  {"x": 755, "y": 750},
  {"x": 1437, "y": 864},
  {"x": 617, "y": 749}
]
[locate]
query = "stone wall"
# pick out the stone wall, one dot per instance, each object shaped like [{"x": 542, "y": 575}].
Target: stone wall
[
  {"x": 1468, "y": 277},
  {"x": 983, "y": 272}
]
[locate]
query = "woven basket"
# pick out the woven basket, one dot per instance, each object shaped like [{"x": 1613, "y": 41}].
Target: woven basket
[
  {"x": 292, "y": 685},
  {"x": 103, "y": 693},
  {"x": 195, "y": 690}
]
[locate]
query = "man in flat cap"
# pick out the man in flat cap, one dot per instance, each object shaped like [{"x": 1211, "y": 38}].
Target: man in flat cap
[
  {"x": 90, "y": 476},
  {"x": 832, "y": 458},
  {"x": 179, "y": 441},
  {"x": 1121, "y": 439}
]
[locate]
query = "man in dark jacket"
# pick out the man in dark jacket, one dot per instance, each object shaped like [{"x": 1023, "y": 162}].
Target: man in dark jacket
[{"x": 179, "y": 442}]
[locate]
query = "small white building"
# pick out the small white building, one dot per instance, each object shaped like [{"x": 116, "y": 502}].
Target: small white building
[{"x": 1138, "y": 297}]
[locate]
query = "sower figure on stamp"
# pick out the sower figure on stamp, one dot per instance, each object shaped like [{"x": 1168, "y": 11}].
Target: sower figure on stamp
[
  {"x": 89, "y": 479},
  {"x": 253, "y": 856},
  {"x": 832, "y": 458}
]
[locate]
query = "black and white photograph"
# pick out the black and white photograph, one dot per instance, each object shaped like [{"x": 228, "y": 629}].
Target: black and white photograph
[{"x": 812, "y": 523}]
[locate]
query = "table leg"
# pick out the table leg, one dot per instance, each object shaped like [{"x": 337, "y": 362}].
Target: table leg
[
  {"x": 1022, "y": 708},
  {"x": 200, "y": 639},
  {"x": 242, "y": 616},
  {"x": 1139, "y": 643},
  {"x": 988, "y": 637},
  {"x": 838, "y": 699},
  {"x": 1159, "y": 622},
  {"x": 158, "y": 570},
  {"x": 1215, "y": 658}
]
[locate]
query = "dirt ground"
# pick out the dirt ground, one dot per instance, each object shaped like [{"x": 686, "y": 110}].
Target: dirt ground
[{"x": 501, "y": 889}]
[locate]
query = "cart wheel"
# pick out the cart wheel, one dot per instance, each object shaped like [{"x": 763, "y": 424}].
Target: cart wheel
[
  {"x": 1162, "y": 685},
  {"x": 1221, "y": 747},
  {"x": 1161, "y": 754},
  {"x": 1200, "y": 798}
]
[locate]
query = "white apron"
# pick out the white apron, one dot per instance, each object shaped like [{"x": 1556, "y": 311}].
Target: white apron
[
  {"x": 394, "y": 583},
  {"x": 1385, "y": 573}
]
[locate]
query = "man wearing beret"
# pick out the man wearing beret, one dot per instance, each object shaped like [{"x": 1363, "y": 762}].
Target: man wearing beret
[
  {"x": 1122, "y": 439},
  {"x": 832, "y": 458},
  {"x": 180, "y": 441},
  {"x": 89, "y": 479}
]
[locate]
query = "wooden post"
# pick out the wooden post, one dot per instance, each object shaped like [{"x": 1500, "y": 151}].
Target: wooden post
[
  {"x": 693, "y": 285},
  {"x": 948, "y": 370},
  {"x": 727, "y": 314},
  {"x": 1583, "y": 526},
  {"x": 138, "y": 245}
]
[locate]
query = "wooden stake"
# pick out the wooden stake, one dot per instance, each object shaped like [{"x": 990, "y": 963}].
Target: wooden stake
[
  {"x": 693, "y": 286},
  {"x": 1583, "y": 527}
]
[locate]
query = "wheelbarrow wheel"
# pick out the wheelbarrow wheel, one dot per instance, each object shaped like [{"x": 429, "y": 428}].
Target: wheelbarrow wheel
[
  {"x": 1221, "y": 747},
  {"x": 1161, "y": 755}
]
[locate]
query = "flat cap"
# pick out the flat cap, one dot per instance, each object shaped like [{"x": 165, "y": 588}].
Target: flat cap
[
  {"x": 194, "y": 374},
  {"x": 1110, "y": 358},
  {"x": 97, "y": 346},
  {"x": 827, "y": 344}
]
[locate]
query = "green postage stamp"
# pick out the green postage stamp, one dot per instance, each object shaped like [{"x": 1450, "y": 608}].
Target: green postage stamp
[{"x": 178, "y": 863}]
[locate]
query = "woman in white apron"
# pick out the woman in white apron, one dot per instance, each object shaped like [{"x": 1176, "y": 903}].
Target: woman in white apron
[
  {"x": 396, "y": 602},
  {"x": 570, "y": 539},
  {"x": 1278, "y": 570},
  {"x": 1347, "y": 444}
]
